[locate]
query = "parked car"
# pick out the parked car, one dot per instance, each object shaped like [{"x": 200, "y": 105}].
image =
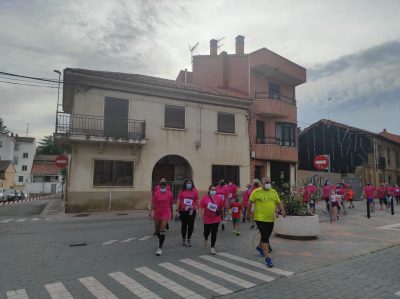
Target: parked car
[
  {"x": 10, "y": 195},
  {"x": 2, "y": 195},
  {"x": 18, "y": 195}
]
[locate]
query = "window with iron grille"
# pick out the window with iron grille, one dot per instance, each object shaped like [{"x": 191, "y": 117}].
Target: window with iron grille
[
  {"x": 274, "y": 91},
  {"x": 113, "y": 173},
  {"x": 24, "y": 168},
  {"x": 174, "y": 117},
  {"x": 285, "y": 134},
  {"x": 226, "y": 122}
]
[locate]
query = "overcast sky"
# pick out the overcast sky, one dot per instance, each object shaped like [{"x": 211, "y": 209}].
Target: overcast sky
[{"x": 351, "y": 50}]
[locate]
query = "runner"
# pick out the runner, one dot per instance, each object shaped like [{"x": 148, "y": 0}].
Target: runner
[
  {"x": 265, "y": 200},
  {"x": 186, "y": 208},
  {"x": 397, "y": 193},
  {"x": 389, "y": 195},
  {"x": 308, "y": 196},
  {"x": 236, "y": 208},
  {"x": 222, "y": 192},
  {"x": 368, "y": 193},
  {"x": 157, "y": 188},
  {"x": 382, "y": 196},
  {"x": 162, "y": 205},
  {"x": 246, "y": 195},
  {"x": 326, "y": 193},
  {"x": 335, "y": 199},
  {"x": 212, "y": 209},
  {"x": 350, "y": 195}
]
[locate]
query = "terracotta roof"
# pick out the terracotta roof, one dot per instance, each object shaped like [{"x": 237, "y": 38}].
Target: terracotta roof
[
  {"x": 39, "y": 168},
  {"x": 25, "y": 139},
  {"x": 4, "y": 164},
  {"x": 156, "y": 81},
  {"x": 393, "y": 137}
]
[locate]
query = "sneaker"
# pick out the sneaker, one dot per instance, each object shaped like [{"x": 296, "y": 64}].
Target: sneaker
[
  {"x": 188, "y": 244},
  {"x": 212, "y": 251},
  {"x": 223, "y": 226},
  {"x": 234, "y": 231},
  {"x": 237, "y": 233},
  {"x": 159, "y": 251},
  {"x": 183, "y": 242},
  {"x": 260, "y": 251},
  {"x": 268, "y": 262}
]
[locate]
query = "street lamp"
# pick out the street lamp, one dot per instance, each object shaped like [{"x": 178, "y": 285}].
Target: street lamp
[{"x": 58, "y": 96}]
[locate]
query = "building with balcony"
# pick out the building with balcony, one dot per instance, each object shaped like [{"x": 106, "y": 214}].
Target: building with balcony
[
  {"x": 127, "y": 131},
  {"x": 270, "y": 81}
]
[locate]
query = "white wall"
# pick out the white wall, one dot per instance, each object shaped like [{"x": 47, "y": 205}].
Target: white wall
[
  {"x": 42, "y": 187},
  {"x": 24, "y": 147}
]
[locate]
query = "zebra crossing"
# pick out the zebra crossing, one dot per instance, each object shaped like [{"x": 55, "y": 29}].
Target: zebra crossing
[
  {"x": 21, "y": 220},
  {"x": 199, "y": 277}
]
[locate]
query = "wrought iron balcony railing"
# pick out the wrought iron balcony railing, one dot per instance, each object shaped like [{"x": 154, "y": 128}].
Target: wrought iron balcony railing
[
  {"x": 275, "y": 140},
  {"x": 77, "y": 124},
  {"x": 269, "y": 95}
]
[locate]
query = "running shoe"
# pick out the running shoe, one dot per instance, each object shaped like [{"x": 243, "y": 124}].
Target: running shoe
[
  {"x": 183, "y": 242},
  {"x": 188, "y": 244},
  {"x": 212, "y": 251},
  {"x": 159, "y": 251},
  {"x": 260, "y": 251},
  {"x": 268, "y": 262},
  {"x": 237, "y": 233}
]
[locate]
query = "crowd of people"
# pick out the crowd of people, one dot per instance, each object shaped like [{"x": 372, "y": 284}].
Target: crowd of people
[{"x": 259, "y": 203}]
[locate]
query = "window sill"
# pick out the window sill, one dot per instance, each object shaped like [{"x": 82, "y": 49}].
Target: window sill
[
  {"x": 174, "y": 129},
  {"x": 223, "y": 133}
]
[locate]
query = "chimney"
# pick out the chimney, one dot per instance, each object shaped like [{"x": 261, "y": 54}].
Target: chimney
[
  {"x": 213, "y": 47},
  {"x": 240, "y": 45}
]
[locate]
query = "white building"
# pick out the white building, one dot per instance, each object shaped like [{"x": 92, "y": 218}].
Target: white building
[
  {"x": 126, "y": 131},
  {"x": 45, "y": 176}
]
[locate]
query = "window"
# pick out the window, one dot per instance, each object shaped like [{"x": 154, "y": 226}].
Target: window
[
  {"x": 24, "y": 168},
  {"x": 285, "y": 134},
  {"x": 20, "y": 179},
  {"x": 174, "y": 117},
  {"x": 25, "y": 155},
  {"x": 274, "y": 91},
  {"x": 16, "y": 147},
  {"x": 226, "y": 122},
  {"x": 258, "y": 172},
  {"x": 260, "y": 132},
  {"x": 15, "y": 160},
  {"x": 113, "y": 173},
  {"x": 225, "y": 172}
]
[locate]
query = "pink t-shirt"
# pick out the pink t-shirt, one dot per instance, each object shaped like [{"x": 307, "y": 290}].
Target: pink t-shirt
[
  {"x": 307, "y": 192},
  {"x": 381, "y": 192},
  {"x": 396, "y": 191},
  {"x": 222, "y": 192},
  {"x": 162, "y": 203},
  {"x": 231, "y": 190},
  {"x": 246, "y": 195},
  {"x": 188, "y": 199},
  {"x": 389, "y": 190},
  {"x": 210, "y": 208},
  {"x": 326, "y": 191},
  {"x": 369, "y": 192}
]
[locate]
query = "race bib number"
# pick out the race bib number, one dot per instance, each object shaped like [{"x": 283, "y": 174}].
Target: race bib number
[
  {"x": 230, "y": 195},
  {"x": 235, "y": 209},
  {"x": 212, "y": 207},
  {"x": 187, "y": 201}
]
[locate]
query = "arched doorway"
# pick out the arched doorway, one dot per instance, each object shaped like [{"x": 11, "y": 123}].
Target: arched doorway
[{"x": 174, "y": 169}]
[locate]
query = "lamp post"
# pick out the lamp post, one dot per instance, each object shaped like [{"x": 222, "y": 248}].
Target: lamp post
[{"x": 58, "y": 96}]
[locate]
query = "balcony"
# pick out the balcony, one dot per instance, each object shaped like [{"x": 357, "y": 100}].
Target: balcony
[
  {"x": 275, "y": 105},
  {"x": 87, "y": 128},
  {"x": 271, "y": 148}
]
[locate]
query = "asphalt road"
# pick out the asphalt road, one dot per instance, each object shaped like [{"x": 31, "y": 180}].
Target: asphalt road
[{"x": 25, "y": 209}]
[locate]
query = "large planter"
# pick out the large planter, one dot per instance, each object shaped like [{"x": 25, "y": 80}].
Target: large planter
[{"x": 297, "y": 227}]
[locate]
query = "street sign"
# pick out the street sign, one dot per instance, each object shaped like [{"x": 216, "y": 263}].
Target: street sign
[
  {"x": 321, "y": 162},
  {"x": 61, "y": 161}
]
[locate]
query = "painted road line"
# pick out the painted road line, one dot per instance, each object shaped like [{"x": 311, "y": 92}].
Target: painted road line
[
  {"x": 223, "y": 275},
  {"x": 96, "y": 288},
  {"x": 168, "y": 283},
  {"x": 144, "y": 238},
  {"x": 255, "y": 264},
  {"x": 7, "y": 220},
  {"x": 128, "y": 240},
  {"x": 197, "y": 279},
  {"x": 35, "y": 219},
  {"x": 58, "y": 291},
  {"x": 17, "y": 294},
  {"x": 133, "y": 286},
  {"x": 398, "y": 293},
  {"x": 21, "y": 220},
  {"x": 395, "y": 227},
  {"x": 109, "y": 242},
  {"x": 255, "y": 274}
]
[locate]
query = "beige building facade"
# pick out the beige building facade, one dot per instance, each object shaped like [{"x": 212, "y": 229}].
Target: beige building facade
[
  {"x": 7, "y": 173},
  {"x": 127, "y": 131}
]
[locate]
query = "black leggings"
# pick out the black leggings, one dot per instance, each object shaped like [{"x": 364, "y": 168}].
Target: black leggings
[
  {"x": 187, "y": 223},
  {"x": 213, "y": 228},
  {"x": 397, "y": 199},
  {"x": 265, "y": 229}
]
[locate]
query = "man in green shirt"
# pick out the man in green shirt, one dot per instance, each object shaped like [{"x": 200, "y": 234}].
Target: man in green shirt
[{"x": 265, "y": 200}]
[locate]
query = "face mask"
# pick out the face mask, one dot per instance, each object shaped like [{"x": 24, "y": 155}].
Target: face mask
[
  {"x": 230, "y": 184},
  {"x": 189, "y": 186},
  {"x": 163, "y": 190},
  {"x": 213, "y": 192},
  {"x": 268, "y": 186}
]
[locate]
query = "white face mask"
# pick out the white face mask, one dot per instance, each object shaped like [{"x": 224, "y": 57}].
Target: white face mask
[
  {"x": 163, "y": 190},
  {"x": 267, "y": 186},
  {"x": 213, "y": 192}
]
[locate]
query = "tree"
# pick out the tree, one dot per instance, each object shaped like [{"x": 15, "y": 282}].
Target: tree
[
  {"x": 48, "y": 147},
  {"x": 3, "y": 128}
]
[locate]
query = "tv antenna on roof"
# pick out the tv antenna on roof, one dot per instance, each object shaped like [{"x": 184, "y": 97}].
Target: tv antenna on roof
[
  {"x": 27, "y": 130},
  {"x": 192, "y": 49},
  {"x": 218, "y": 40}
]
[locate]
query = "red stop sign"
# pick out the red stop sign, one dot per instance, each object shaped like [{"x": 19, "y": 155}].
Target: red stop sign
[
  {"x": 321, "y": 162},
  {"x": 61, "y": 161}
]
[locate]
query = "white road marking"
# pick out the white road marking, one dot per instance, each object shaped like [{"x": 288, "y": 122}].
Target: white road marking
[
  {"x": 144, "y": 238},
  {"x": 255, "y": 264},
  {"x": 395, "y": 227},
  {"x": 168, "y": 283},
  {"x": 133, "y": 286},
  {"x": 398, "y": 293},
  {"x": 21, "y": 220},
  {"x": 35, "y": 219},
  {"x": 7, "y": 220},
  {"x": 58, "y": 291},
  {"x": 17, "y": 294},
  {"x": 246, "y": 271},
  {"x": 96, "y": 288},
  {"x": 128, "y": 240},
  {"x": 197, "y": 279},
  {"x": 223, "y": 275},
  {"x": 109, "y": 242}
]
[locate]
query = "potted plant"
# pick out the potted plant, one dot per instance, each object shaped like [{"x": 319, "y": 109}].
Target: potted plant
[{"x": 298, "y": 223}]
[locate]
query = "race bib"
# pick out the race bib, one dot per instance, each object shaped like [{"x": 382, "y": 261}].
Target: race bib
[
  {"x": 187, "y": 201},
  {"x": 230, "y": 195},
  {"x": 212, "y": 207},
  {"x": 235, "y": 209}
]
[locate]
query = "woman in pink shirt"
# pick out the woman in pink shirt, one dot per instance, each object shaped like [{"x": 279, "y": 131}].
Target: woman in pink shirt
[
  {"x": 222, "y": 193},
  {"x": 211, "y": 208},
  {"x": 382, "y": 196},
  {"x": 162, "y": 205},
  {"x": 186, "y": 207},
  {"x": 368, "y": 193}
]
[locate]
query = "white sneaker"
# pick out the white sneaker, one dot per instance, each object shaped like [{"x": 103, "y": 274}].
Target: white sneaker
[
  {"x": 159, "y": 251},
  {"x": 212, "y": 251}
]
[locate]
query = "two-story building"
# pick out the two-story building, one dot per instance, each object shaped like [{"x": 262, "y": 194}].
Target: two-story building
[
  {"x": 127, "y": 131},
  {"x": 270, "y": 81}
]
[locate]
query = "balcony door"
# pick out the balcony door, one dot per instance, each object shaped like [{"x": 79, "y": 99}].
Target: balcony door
[
  {"x": 116, "y": 117},
  {"x": 260, "y": 132}
]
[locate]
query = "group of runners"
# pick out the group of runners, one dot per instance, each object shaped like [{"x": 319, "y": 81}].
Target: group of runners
[{"x": 260, "y": 203}]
